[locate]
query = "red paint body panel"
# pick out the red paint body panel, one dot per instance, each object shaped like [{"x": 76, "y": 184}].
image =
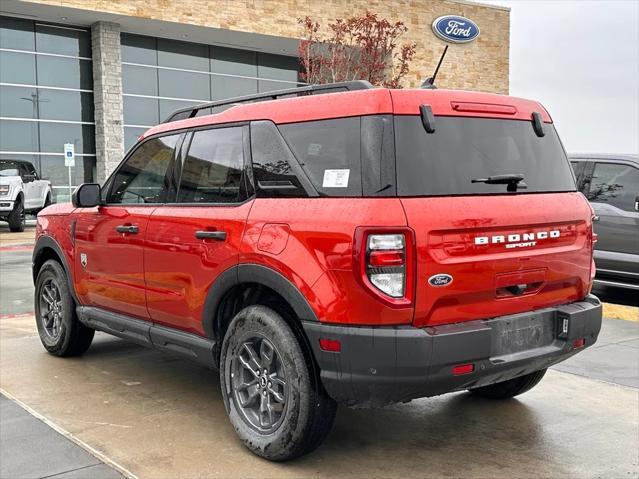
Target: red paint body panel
[
  {"x": 473, "y": 104},
  {"x": 113, "y": 277},
  {"x": 446, "y": 229},
  {"x": 318, "y": 258},
  {"x": 179, "y": 269}
]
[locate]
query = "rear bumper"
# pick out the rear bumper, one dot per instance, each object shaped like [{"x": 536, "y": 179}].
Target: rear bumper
[{"x": 384, "y": 365}]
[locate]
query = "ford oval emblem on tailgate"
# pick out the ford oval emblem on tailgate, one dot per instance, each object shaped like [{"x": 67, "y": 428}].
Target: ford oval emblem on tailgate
[{"x": 440, "y": 280}]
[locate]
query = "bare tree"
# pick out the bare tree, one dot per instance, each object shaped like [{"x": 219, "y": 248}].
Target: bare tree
[{"x": 357, "y": 48}]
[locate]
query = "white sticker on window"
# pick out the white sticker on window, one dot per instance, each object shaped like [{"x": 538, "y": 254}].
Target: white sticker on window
[{"x": 336, "y": 178}]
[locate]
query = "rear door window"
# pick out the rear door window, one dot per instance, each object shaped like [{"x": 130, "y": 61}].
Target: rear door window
[
  {"x": 445, "y": 162},
  {"x": 213, "y": 170},
  {"x": 276, "y": 172},
  {"x": 615, "y": 184},
  {"x": 329, "y": 153}
]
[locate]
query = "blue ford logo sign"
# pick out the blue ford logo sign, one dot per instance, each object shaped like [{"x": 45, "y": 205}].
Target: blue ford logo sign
[
  {"x": 455, "y": 29},
  {"x": 440, "y": 280}
]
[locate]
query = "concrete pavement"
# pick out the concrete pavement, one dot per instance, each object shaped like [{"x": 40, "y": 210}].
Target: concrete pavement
[{"x": 162, "y": 417}]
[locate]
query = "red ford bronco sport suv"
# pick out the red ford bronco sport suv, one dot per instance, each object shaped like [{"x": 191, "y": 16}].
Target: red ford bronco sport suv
[{"x": 329, "y": 244}]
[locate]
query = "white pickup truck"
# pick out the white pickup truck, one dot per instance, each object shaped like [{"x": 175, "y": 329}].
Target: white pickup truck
[{"x": 21, "y": 191}]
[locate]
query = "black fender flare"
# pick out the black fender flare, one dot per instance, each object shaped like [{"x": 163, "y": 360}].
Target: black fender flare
[
  {"x": 48, "y": 242},
  {"x": 253, "y": 273}
]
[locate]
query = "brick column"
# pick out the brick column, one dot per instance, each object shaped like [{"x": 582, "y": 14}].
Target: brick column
[{"x": 107, "y": 97}]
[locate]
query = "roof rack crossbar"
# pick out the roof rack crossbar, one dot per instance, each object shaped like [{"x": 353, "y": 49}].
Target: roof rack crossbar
[{"x": 191, "y": 111}]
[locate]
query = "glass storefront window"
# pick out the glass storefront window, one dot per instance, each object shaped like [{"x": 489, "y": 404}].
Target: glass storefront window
[
  {"x": 140, "y": 111},
  {"x": 224, "y": 87},
  {"x": 139, "y": 80},
  {"x": 185, "y": 55},
  {"x": 277, "y": 67},
  {"x": 53, "y": 169},
  {"x": 139, "y": 49},
  {"x": 215, "y": 73},
  {"x": 16, "y": 34},
  {"x": 35, "y": 120},
  {"x": 18, "y": 102},
  {"x": 65, "y": 105},
  {"x": 19, "y": 136},
  {"x": 233, "y": 62},
  {"x": 131, "y": 135},
  {"x": 177, "y": 84},
  {"x": 64, "y": 72},
  {"x": 63, "y": 40},
  {"x": 17, "y": 68},
  {"x": 53, "y": 136}
]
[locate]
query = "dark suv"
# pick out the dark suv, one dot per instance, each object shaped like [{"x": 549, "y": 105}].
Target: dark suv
[
  {"x": 328, "y": 244},
  {"x": 611, "y": 183}
]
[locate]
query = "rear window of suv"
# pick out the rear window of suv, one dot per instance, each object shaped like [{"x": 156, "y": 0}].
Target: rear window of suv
[
  {"x": 444, "y": 162},
  {"x": 329, "y": 153}
]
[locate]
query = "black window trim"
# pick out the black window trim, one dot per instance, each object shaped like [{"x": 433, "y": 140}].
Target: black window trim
[
  {"x": 296, "y": 168},
  {"x": 109, "y": 182},
  {"x": 579, "y": 175},
  {"x": 250, "y": 190}
]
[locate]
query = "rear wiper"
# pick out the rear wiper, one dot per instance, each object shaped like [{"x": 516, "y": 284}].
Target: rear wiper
[{"x": 513, "y": 181}]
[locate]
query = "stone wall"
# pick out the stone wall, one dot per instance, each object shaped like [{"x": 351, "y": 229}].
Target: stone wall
[
  {"x": 481, "y": 65},
  {"x": 107, "y": 97}
]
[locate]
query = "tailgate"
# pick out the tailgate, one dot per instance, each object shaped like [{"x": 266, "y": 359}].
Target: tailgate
[{"x": 505, "y": 254}]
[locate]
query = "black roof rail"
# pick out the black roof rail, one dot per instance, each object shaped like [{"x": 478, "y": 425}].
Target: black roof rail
[{"x": 191, "y": 111}]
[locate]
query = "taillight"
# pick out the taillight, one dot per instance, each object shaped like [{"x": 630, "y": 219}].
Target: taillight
[
  {"x": 385, "y": 258},
  {"x": 386, "y": 265}
]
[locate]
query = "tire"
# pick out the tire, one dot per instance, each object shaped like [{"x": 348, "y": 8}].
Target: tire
[
  {"x": 294, "y": 413},
  {"x": 61, "y": 333},
  {"x": 511, "y": 388},
  {"x": 16, "y": 217}
]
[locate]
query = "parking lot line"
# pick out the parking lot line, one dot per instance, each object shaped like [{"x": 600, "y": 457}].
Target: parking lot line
[{"x": 619, "y": 311}]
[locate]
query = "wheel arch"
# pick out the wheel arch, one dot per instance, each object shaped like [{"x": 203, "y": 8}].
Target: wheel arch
[
  {"x": 247, "y": 284},
  {"x": 47, "y": 248}
]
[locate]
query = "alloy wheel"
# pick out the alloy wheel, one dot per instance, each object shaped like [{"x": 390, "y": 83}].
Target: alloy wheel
[
  {"x": 51, "y": 309},
  {"x": 259, "y": 384}
]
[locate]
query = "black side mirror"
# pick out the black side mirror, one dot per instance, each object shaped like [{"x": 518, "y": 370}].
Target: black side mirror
[
  {"x": 87, "y": 195},
  {"x": 28, "y": 178}
]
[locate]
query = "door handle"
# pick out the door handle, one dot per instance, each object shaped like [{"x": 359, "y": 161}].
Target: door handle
[
  {"x": 214, "y": 235},
  {"x": 127, "y": 229}
]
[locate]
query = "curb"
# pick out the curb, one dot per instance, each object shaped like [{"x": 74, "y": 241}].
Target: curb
[{"x": 94, "y": 452}]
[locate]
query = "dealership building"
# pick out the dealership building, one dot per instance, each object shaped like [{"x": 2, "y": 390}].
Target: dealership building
[{"x": 98, "y": 73}]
